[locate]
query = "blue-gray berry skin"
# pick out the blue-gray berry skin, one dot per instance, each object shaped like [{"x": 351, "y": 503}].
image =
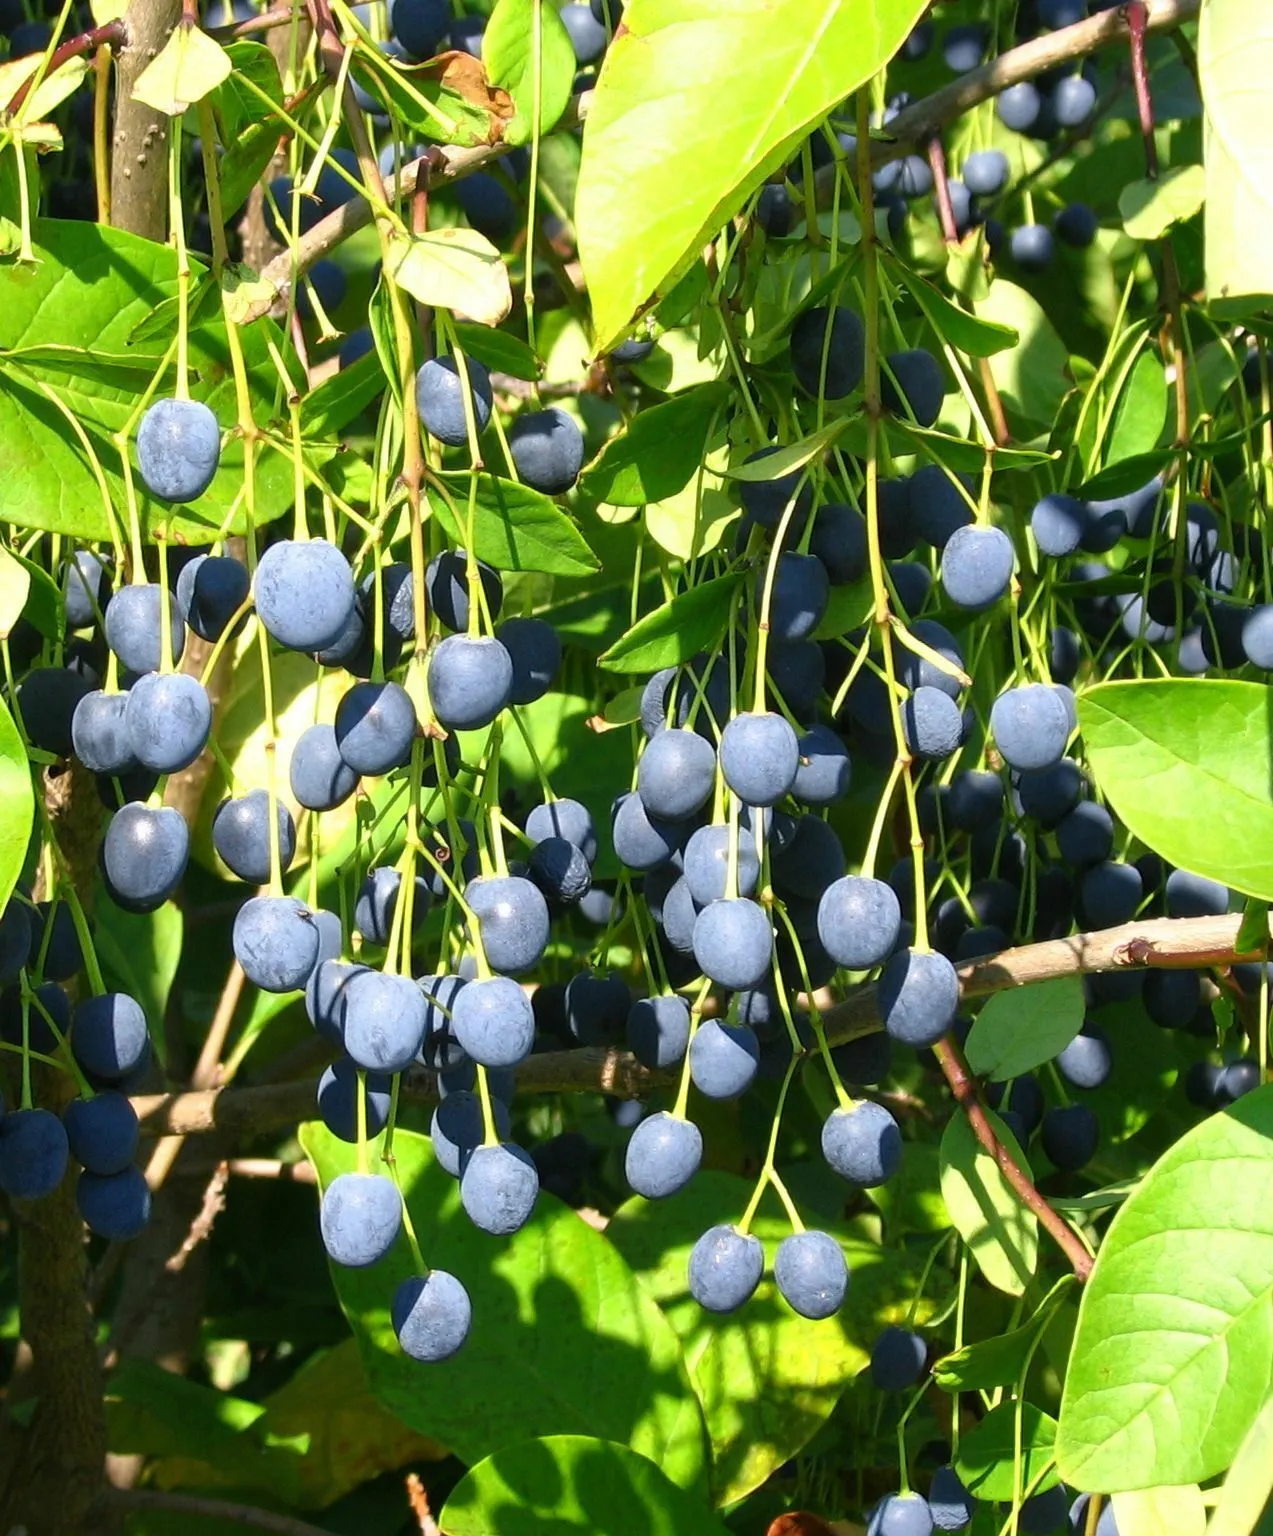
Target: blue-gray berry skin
[
  {"x": 1087, "y": 1060},
  {"x": 823, "y": 771},
  {"x": 493, "y": 1022},
  {"x": 1031, "y": 246},
  {"x": 47, "y": 699},
  {"x": 178, "y": 449},
  {"x": 901, "y": 1514},
  {"x": 103, "y": 1132},
  {"x": 725, "y": 1268},
  {"x": 641, "y": 841},
  {"x": 547, "y": 450},
  {"x": 304, "y": 592},
  {"x": 375, "y": 726},
  {"x": 1190, "y": 895},
  {"x": 985, "y": 172},
  {"x": 169, "y": 715},
  {"x": 707, "y": 864},
  {"x": 15, "y": 939},
  {"x": 144, "y": 854},
  {"x": 470, "y": 681},
  {"x": 659, "y": 1030},
  {"x": 384, "y": 1021},
  {"x": 1030, "y": 725},
  {"x": 421, "y": 27},
  {"x": 499, "y": 1187},
  {"x": 1086, "y": 835},
  {"x": 759, "y": 756},
  {"x": 535, "y": 650},
  {"x": 431, "y": 1314},
  {"x": 1019, "y": 106},
  {"x": 210, "y": 591},
  {"x": 676, "y": 774},
  {"x": 976, "y": 566},
  {"x": 918, "y": 997},
  {"x": 723, "y": 1059},
  {"x": 115, "y": 1206},
  {"x": 276, "y": 942},
  {"x": 99, "y": 733},
  {"x": 949, "y": 1502},
  {"x": 86, "y": 587},
  {"x": 377, "y": 902},
  {"x": 932, "y": 723},
  {"x": 859, "y": 920},
  {"x": 439, "y": 395},
  {"x": 338, "y": 1100},
  {"x": 456, "y": 1129},
  {"x": 809, "y": 862},
  {"x": 319, "y": 777},
  {"x": 920, "y": 385},
  {"x": 1073, "y": 100},
  {"x": 359, "y": 1217},
  {"x": 109, "y": 1035},
  {"x": 897, "y": 1359},
  {"x": 1070, "y": 1134},
  {"x": 596, "y": 1007},
  {"x": 839, "y": 541},
  {"x": 663, "y": 1155},
  {"x": 765, "y": 501},
  {"x": 862, "y": 1144},
  {"x": 1044, "y": 1513},
  {"x": 1110, "y": 893},
  {"x": 134, "y": 630},
  {"x": 241, "y": 835},
  {"x": 1106, "y": 1523},
  {"x": 799, "y": 596},
  {"x": 564, "y": 818},
  {"x": 560, "y": 870},
  {"x": 733, "y": 943},
  {"x": 33, "y": 1153},
  {"x": 1058, "y": 523},
  {"x": 513, "y": 920},
  {"x": 842, "y": 336},
  {"x": 811, "y": 1274},
  {"x": 680, "y": 913},
  {"x": 446, "y": 585},
  {"x": 588, "y": 36}
]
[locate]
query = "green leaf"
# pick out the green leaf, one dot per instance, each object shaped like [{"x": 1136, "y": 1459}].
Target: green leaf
[
  {"x": 1187, "y": 765},
  {"x": 1125, "y": 477},
  {"x": 659, "y": 453},
  {"x": 564, "y": 1338},
  {"x": 15, "y": 587},
  {"x": 45, "y": 608},
  {"x": 1150, "y": 208},
  {"x": 1178, "y": 1511},
  {"x": 515, "y": 528},
  {"x": 17, "y": 804},
  {"x": 1142, "y": 411},
  {"x": 498, "y": 350},
  {"x": 1019, "y": 1030},
  {"x": 340, "y": 399},
  {"x": 74, "y": 314},
  {"x": 139, "y": 955},
  {"x": 1254, "y": 932},
  {"x": 708, "y": 100},
  {"x": 454, "y": 268},
  {"x": 188, "y": 66},
  {"x": 967, "y": 332},
  {"x": 1248, "y": 1484},
  {"x": 1171, "y": 1362},
  {"x": 448, "y": 100},
  {"x": 791, "y": 458},
  {"x": 565, "y": 1483},
  {"x": 1145, "y": 1066},
  {"x": 509, "y": 51},
  {"x": 692, "y": 621},
  {"x": 766, "y": 1377},
  {"x": 1033, "y": 376},
  {"x": 847, "y": 608},
  {"x": 987, "y": 1460},
  {"x": 1001, "y": 1233},
  {"x": 998, "y": 1361}
]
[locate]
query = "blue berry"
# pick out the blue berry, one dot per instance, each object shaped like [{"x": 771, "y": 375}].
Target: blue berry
[
  {"x": 535, "y": 651},
  {"x": 723, "y": 1059},
  {"x": 976, "y": 566},
  {"x": 102, "y": 1132},
  {"x": 949, "y": 1502},
  {"x": 985, "y": 172},
  {"x": 144, "y": 855},
  {"x": 898, "y": 1357},
  {"x": 964, "y": 46},
  {"x": 115, "y": 1206},
  {"x": 33, "y": 1153},
  {"x": 547, "y": 450},
  {"x": 320, "y": 778},
  {"x": 169, "y": 716},
  {"x": 1086, "y": 835},
  {"x": 1189, "y": 895},
  {"x": 799, "y": 596},
  {"x": 1044, "y": 1513},
  {"x": 86, "y": 587},
  {"x": 765, "y": 501},
  {"x": 596, "y": 1008},
  {"x": 446, "y": 585},
  {"x": 420, "y": 26},
  {"x": 493, "y": 1022},
  {"x": 725, "y": 1268},
  {"x": 676, "y": 774},
  {"x": 913, "y": 384},
  {"x": 1077, "y": 225},
  {"x": 276, "y": 942},
  {"x": 513, "y": 920},
  {"x": 241, "y": 835},
  {"x": 862, "y": 1144},
  {"x": 933, "y": 724},
  {"x": 564, "y": 818},
  {"x": 456, "y": 1129},
  {"x": 470, "y": 681},
  {"x": 859, "y": 920},
  {"x": 1031, "y": 247},
  {"x": 210, "y": 591},
  {"x": 359, "y": 1217},
  {"x": 1019, "y": 106},
  {"x": 663, "y": 1155},
  {"x": 811, "y": 1274},
  {"x": 109, "y": 1036},
  {"x": 1070, "y": 1134},
  {"x": 99, "y": 733},
  {"x": 1106, "y": 1524},
  {"x": 901, "y": 1514},
  {"x": 1073, "y": 100},
  {"x": 1030, "y": 725},
  {"x": 133, "y": 629},
  {"x": 936, "y": 506},
  {"x": 1047, "y": 795},
  {"x": 823, "y": 769},
  {"x": 378, "y": 900},
  {"x": 375, "y": 726},
  {"x": 587, "y": 35},
  {"x": 1059, "y": 523},
  {"x": 1087, "y": 1061},
  {"x": 384, "y": 1021},
  {"x": 658, "y": 1031},
  {"x": 759, "y": 757},
  {"x": 707, "y": 864},
  {"x": 809, "y": 861},
  {"x": 15, "y": 939},
  {"x": 918, "y": 997},
  {"x": 560, "y": 871},
  {"x": 1110, "y": 894},
  {"x": 733, "y": 943},
  {"x": 178, "y": 449},
  {"x": 338, "y": 1099},
  {"x": 439, "y": 395},
  {"x": 304, "y": 592},
  {"x": 499, "y": 1188},
  {"x": 842, "y": 335},
  {"x": 431, "y": 1315}
]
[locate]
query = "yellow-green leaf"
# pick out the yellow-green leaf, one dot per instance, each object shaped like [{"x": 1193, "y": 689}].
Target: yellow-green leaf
[
  {"x": 17, "y": 804},
  {"x": 1150, "y": 208},
  {"x": 15, "y": 585},
  {"x": 1248, "y": 1482},
  {"x": 1176, "y": 1511},
  {"x": 455, "y": 269},
  {"x": 1001, "y": 1233},
  {"x": 187, "y": 67}
]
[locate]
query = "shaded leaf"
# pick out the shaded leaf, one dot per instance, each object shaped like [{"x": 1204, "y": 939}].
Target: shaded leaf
[
  {"x": 1001, "y": 1233},
  {"x": 999, "y": 1361},
  {"x": 498, "y": 350},
  {"x": 987, "y": 1460},
  {"x": 1150, "y": 208},
  {"x": 1022, "y": 1028},
  {"x": 691, "y": 622},
  {"x": 17, "y": 804},
  {"x": 658, "y": 453}
]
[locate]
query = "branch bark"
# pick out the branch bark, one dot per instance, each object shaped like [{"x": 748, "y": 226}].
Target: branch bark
[
  {"x": 139, "y": 165},
  {"x": 222, "y": 1510},
  {"x": 1180, "y": 943}
]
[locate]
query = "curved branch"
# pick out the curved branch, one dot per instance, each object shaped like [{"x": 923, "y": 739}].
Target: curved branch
[
  {"x": 1157, "y": 942},
  {"x": 110, "y": 34},
  {"x": 911, "y": 129}
]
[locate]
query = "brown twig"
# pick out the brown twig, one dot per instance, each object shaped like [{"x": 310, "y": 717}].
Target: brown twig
[
  {"x": 419, "y": 1502},
  {"x": 212, "y": 1509},
  {"x": 963, "y": 1086},
  {"x": 109, "y": 35}
]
